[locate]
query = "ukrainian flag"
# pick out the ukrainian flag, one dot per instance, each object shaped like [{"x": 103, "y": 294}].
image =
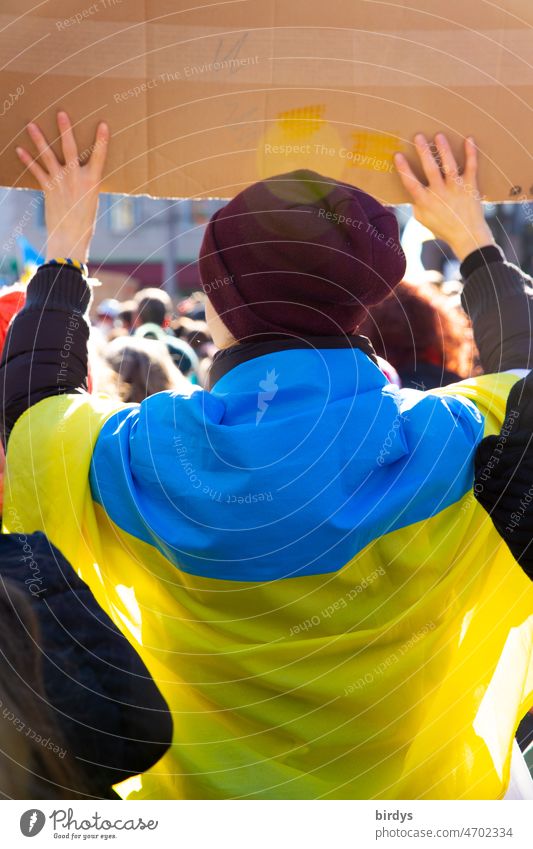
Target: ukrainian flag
[{"x": 299, "y": 559}]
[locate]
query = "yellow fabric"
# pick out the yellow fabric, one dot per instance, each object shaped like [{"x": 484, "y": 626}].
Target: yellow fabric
[{"x": 401, "y": 682}]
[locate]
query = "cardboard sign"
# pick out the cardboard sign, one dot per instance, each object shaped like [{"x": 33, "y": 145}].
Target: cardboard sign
[{"x": 203, "y": 99}]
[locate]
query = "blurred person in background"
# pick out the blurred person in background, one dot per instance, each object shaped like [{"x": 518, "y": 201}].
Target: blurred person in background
[
  {"x": 423, "y": 335},
  {"x": 143, "y": 367},
  {"x": 126, "y": 314},
  {"x": 154, "y": 306},
  {"x": 153, "y": 321},
  {"x": 270, "y": 544},
  {"x": 181, "y": 353},
  {"x": 196, "y": 334},
  {"x": 193, "y": 306},
  {"x": 107, "y": 313}
]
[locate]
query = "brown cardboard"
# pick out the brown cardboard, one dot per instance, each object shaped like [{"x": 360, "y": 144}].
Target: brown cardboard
[{"x": 205, "y": 98}]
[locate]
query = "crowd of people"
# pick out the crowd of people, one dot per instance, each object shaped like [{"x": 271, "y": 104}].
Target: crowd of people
[
  {"x": 150, "y": 344},
  {"x": 273, "y": 540}
]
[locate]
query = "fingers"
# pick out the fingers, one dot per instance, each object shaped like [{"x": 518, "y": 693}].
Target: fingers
[
  {"x": 448, "y": 164},
  {"x": 440, "y": 174},
  {"x": 68, "y": 142},
  {"x": 470, "y": 169},
  {"x": 33, "y": 167},
  {"x": 99, "y": 154},
  {"x": 429, "y": 163},
  {"x": 46, "y": 153},
  {"x": 411, "y": 184}
]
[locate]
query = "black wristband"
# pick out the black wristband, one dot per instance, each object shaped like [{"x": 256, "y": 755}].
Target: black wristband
[{"x": 480, "y": 258}]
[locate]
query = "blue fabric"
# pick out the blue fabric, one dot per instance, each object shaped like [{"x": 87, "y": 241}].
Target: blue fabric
[
  {"x": 28, "y": 253},
  {"x": 290, "y": 466}
]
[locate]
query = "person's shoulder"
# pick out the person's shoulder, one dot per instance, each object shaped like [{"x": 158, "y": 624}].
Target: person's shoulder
[
  {"x": 437, "y": 414},
  {"x": 171, "y": 410},
  {"x": 489, "y": 393},
  {"x": 32, "y": 561},
  {"x": 471, "y": 402}
]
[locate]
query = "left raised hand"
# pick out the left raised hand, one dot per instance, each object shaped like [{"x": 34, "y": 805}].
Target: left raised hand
[{"x": 70, "y": 190}]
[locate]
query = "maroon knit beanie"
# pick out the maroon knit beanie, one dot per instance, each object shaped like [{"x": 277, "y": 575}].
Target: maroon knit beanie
[{"x": 299, "y": 254}]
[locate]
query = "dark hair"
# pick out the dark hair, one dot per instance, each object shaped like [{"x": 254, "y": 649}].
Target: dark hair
[
  {"x": 127, "y": 312},
  {"x": 153, "y": 306},
  {"x": 29, "y": 768},
  {"x": 196, "y": 333}
]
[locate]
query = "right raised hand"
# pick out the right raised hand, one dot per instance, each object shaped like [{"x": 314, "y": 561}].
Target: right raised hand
[{"x": 450, "y": 205}]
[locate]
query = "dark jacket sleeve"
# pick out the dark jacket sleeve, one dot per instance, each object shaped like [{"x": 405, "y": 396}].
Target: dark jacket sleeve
[
  {"x": 113, "y": 718},
  {"x": 45, "y": 351},
  {"x": 498, "y": 297},
  {"x": 504, "y": 475}
]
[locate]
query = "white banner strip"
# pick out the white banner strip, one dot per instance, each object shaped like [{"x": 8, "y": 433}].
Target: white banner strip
[{"x": 269, "y": 825}]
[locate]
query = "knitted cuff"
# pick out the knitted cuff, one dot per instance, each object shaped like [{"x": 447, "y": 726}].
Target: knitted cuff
[
  {"x": 491, "y": 284},
  {"x": 59, "y": 288},
  {"x": 481, "y": 258}
]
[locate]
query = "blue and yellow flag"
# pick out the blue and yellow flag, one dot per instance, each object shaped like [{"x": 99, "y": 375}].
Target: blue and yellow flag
[{"x": 299, "y": 559}]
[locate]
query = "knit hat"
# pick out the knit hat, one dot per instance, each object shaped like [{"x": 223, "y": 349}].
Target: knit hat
[{"x": 299, "y": 254}]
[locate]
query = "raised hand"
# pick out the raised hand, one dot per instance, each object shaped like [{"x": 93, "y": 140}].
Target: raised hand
[
  {"x": 450, "y": 205},
  {"x": 70, "y": 190}
]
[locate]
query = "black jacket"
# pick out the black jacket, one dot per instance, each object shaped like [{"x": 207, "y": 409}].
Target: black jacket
[
  {"x": 112, "y": 716},
  {"x": 504, "y": 475}
]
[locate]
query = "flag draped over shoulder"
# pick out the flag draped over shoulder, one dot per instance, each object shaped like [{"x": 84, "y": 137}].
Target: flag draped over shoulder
[{"x": 304, "y": 570}]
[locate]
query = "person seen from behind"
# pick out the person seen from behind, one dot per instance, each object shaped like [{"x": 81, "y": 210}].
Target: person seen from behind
[{"x": 308, "y": 577}]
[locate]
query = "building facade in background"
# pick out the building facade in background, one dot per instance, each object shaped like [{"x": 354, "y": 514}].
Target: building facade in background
[
  {"x": 148, "y": 241},
  {"x": 143, "y": 241}
]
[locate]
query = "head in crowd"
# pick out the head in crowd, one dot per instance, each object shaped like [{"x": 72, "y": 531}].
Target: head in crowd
[
  {"x": 297, "y": 255},
  {"x": 143, "y": 367},
  {"x": 29, "y": 768},
  {"x": 422, "y": 334},
  {"x": 106, "y": 315},
  {"x": 154, "y": 306},
  {"x": 126, "y": 314},
  {"x": 195, "y": 333},
  {"x": 193, "y": 306},
  {"x": 181, "y": 353}
]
